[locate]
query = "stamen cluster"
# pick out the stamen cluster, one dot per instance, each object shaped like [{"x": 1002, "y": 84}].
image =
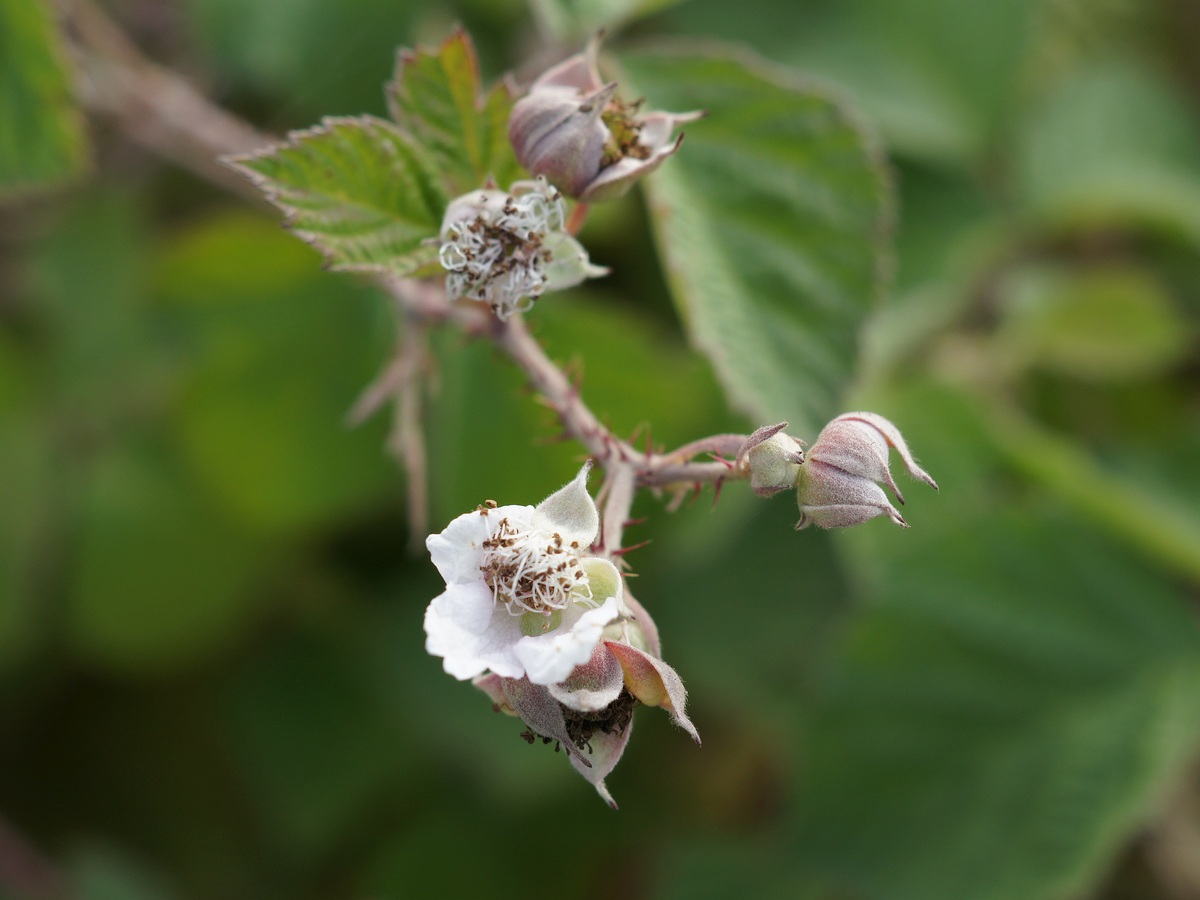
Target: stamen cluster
[
  {"x": 533, "y": 571},
  {"x": 494, "y": 247}
]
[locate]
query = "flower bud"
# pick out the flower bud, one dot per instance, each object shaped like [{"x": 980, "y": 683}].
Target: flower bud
[
  {"x": 508, "y": 248},
  {"x": 838, "y": 484},
  {"x": 773, "y": 458},
  {"x": 572, "y": 128}
]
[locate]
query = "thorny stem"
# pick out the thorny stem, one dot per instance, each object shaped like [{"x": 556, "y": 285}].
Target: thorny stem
[
  {"x": 160, "y": 110},
  {"x": 153, "y": 105}
]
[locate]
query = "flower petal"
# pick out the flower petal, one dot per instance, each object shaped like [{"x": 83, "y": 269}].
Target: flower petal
[
  {"x": 593, "y": 685},
  {"x": 549, "y": 658},
  {"x": 654, "y": 683},
  {"x": 571, "y": 510},
  {"x": 458, "y": 550},
  {"x": 603, "y": 753},
  {"x": 465, "y": 627},
  {"x": 615, "y": 180}
]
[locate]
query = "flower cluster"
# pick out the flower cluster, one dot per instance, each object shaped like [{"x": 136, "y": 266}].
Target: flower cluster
[
  {"x": 546, "y": 629},
  {"x": 536, "y": 619},
  {"x": 572, "y": 132}
]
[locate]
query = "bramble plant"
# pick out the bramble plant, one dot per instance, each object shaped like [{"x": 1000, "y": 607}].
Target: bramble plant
[
  {"x": 626, "y": 312},
  {"x": 467, "y": 205}
]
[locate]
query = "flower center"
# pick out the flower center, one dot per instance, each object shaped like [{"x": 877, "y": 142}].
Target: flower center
[
  {"x": 500, "y": 256},
  {"x": 533, "y": 571}
]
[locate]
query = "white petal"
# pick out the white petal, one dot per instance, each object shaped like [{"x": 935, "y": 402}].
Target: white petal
[
  {"x": 458, "y": 550},
  {"x": 571, "y": 511},
  {"x": 549, "y": 658},
  {"x": 498, "y": 644},
  {"x": 464, "y": 626}
]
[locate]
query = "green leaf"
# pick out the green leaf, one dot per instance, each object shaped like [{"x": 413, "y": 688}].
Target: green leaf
[
  {"x": 280, "y": 351},
  {"x": 160, "y": 578},
  {"x": 363, "y": 193},
  {"x": 1112, "y": 146},
  {"x": 572, "y": 20},
  {"x": 42, "y": 140},
  {"x": 29, "y": 478},
  {"x": 1106, "y": 325},
  {"x": 936, "y": 83},
  {"x": 1013, "y": 698},
  {"x": 771, "y": 220},
  {"x": 315, "y": 744},
  {"x": 436, "y": 98},
  {"x": 266, "y": 49}
]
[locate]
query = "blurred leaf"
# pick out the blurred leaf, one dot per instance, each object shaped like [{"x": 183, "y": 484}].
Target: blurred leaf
[
  {"x": 422, "y": 860},
  {"x": 973, "y": 64},
  {"x": 267, "y": 49},
  {"x": 1112, "y": 147},
  {"x": 42, "y": 141},
  {"x": 1163, "y": 529},
  {"x": 436, "y": 98},
  {"x": 481, "y": 426},
  {"x": 315, "y": 747},
  {"x": 280, "y": 352},
  {"x": 771, "y": 220},
  {"x": 1108, "y": 324},
  {"x": 107, "y": 356},
  {"x": 27, "y": 486},
  {"x": 617, "y": 352},
  {"x": 160, "y": 577},
  {"x": 936, "y": 83},
  {"x": 1012, "y": 701},
  {"x": 363, "y": 193},
  {"x": 570, "y": 21}
]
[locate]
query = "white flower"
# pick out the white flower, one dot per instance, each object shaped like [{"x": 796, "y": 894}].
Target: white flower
[
  {"x": 507, "y": 248},
  {"x": 522, "y": 598}
]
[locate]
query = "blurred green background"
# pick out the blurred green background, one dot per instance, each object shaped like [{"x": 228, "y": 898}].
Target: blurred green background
[{"x": 212, "y": 676}]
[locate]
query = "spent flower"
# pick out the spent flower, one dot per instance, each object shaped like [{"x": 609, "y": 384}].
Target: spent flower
[
  {"x": 589, "y": 714},
  {"x": 575, "y": 130},
  {"x": 839, "y": 483},
  {"x": 507, "y": 248}
]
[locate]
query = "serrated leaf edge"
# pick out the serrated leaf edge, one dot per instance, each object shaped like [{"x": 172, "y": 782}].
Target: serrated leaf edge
[{"x": 293, "y": 140}]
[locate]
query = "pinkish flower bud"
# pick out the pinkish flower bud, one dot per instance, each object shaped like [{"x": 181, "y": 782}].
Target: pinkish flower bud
[
  {"x": 838, "y": 484},
  {"x": 572, "y": 128}
]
